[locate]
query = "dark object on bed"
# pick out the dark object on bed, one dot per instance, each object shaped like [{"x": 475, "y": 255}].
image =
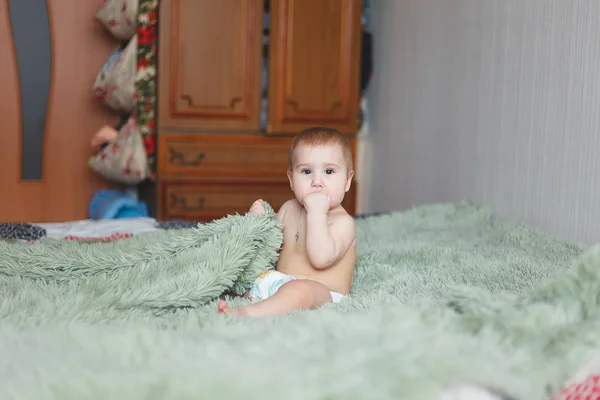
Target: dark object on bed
[
  {"x": 177, "y": 224},
  {"x": 21, "y": 231},
  {"x": 373, "y": 214}
]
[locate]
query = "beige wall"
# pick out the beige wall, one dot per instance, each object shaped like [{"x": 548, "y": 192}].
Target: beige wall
[{"x": 495, "y": 101}]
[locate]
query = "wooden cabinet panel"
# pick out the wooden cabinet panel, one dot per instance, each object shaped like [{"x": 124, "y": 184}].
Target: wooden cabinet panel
[
  {"x": 206, "y": 200},
  {"x": 210, "y": 64},
  {"x": 236, "y": 155},
  {"x": 314, "y": 65},
  {"x": 212, "y": 158}
]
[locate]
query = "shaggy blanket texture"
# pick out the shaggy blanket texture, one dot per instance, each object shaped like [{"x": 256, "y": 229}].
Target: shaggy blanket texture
[{"x": 442, "y": 294}]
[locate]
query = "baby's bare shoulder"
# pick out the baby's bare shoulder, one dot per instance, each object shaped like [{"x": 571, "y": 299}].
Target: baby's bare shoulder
[
  {"x": 289, "y": 209},
  {"x": 342, "y": 223},
  {"x": 341, "y": 215}
]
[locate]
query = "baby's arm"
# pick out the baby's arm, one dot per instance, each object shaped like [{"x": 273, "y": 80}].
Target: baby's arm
[{"x": 328, "y": 241}]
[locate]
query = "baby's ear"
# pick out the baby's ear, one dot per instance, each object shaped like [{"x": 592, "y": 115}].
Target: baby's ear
[
  {"x": 289, "y": 175},
  {"x": 349, "y": 179}
]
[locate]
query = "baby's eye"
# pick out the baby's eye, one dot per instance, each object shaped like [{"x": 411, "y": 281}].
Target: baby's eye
[
  {"x": 329, "y": 171},
  {"x": 305, "y": 171}
]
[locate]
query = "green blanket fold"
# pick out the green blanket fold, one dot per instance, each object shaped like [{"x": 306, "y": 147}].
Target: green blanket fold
[
  {"x": 154, "y": 272},
  {"x": 442, "y": 294}
]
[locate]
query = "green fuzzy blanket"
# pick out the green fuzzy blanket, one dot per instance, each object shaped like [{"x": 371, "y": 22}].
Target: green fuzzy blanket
[{"x": 442, "y": 294}]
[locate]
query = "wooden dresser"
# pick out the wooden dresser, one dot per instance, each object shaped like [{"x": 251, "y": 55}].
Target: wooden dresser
[{"x": 236, "y": 80}]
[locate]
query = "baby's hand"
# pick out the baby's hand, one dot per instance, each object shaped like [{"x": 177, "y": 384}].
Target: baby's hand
[
  {"x": 317, "y": 201},
  {"x": 257, "y": 208}
]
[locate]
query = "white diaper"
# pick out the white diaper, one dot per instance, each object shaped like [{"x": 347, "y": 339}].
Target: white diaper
[{"x": 271, "y": 280}]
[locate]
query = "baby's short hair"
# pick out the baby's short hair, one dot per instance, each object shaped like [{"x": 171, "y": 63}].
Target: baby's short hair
[{"x": 322, "y": 136}]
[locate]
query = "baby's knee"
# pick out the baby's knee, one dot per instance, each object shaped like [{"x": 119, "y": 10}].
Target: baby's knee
[
  {"x": 294, "y": 285},
  {"x": 314, "y": 293}
]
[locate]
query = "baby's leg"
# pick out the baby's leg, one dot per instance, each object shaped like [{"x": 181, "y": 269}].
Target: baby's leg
[{"x": 299, "y": 294}]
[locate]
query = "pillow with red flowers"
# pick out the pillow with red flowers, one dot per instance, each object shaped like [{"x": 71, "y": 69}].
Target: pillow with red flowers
[
  {"x": 119, "y": 17},
  {"x": 115, "y": 83}
]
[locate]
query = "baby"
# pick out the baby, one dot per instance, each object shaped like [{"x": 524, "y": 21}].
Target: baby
[{"x": 316, "y": 262}]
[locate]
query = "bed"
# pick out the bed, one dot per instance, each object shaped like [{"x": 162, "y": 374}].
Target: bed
[{"x": 443, "y": 295}]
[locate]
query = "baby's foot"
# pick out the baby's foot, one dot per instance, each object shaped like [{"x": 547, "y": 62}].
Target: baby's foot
[{"x": 224, "y": 309}]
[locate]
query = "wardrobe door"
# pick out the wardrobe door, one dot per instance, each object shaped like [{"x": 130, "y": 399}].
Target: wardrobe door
[
  {"x": 314, "y": 65},
  {"x": 210, "y": 64}
]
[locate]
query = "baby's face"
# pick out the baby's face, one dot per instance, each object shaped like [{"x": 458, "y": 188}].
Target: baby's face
[{"x": 320, "y": 168}]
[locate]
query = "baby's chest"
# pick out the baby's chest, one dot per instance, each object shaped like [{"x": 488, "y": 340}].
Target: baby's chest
[{"x": 293, "y": 234}]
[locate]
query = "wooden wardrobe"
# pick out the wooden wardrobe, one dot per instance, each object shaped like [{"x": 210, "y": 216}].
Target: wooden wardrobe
[{"x": 233, "y": 89}]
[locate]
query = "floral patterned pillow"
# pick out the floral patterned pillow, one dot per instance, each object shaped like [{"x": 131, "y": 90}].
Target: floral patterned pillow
[
  {"x": 115, "y": 83},
  {"x": 124, "y": 159},
  {"x": 119, "y": 17}
]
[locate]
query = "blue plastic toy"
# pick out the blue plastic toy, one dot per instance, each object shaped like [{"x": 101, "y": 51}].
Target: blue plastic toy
[{"x": 112, "y": 204}]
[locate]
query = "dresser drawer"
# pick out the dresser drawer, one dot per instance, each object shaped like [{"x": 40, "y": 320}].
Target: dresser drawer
[
  {"x": 205, "y": 200},
  {"x": 235, "y": 155},
  {"x": 208, "y": 200}
]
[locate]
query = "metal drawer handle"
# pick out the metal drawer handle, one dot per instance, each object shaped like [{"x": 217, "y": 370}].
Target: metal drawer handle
[
  {"x": 182, "y": 203},
  {"x": 178, "y": 155}
]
